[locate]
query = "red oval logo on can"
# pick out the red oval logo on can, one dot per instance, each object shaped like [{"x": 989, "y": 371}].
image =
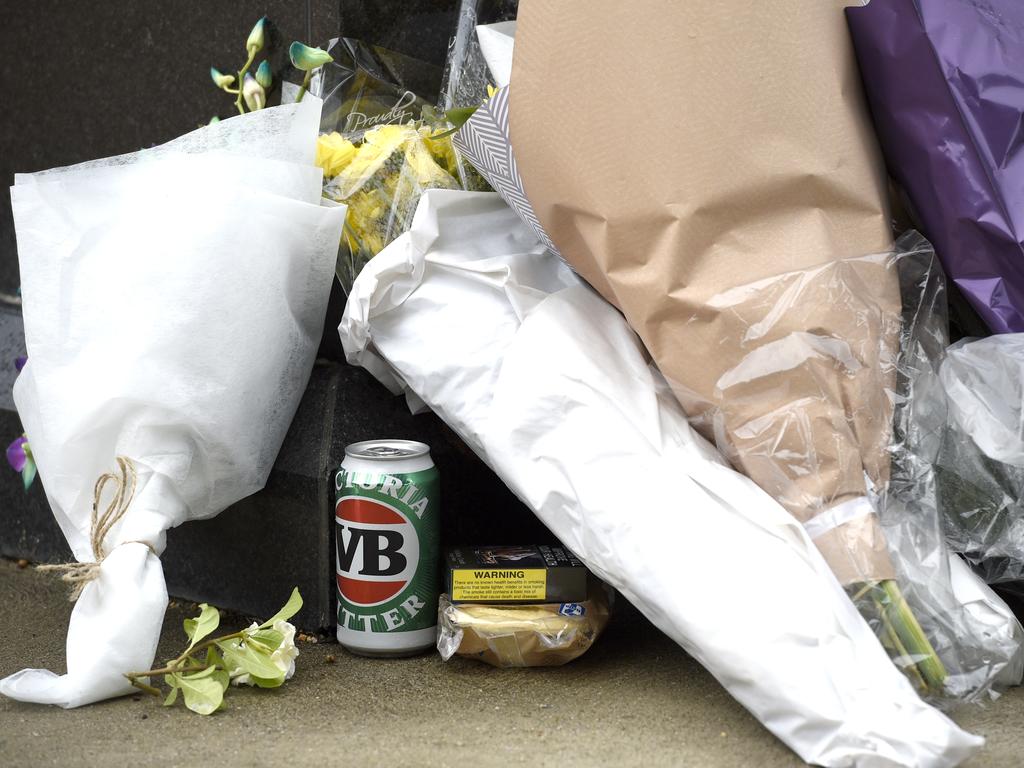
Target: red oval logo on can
[{"x": 377, "y": 550}]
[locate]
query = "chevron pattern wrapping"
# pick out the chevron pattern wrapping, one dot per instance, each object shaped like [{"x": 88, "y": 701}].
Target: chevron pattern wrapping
[{"x": 484, "y": 141}]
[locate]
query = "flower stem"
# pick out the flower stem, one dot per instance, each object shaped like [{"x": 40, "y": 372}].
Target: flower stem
[
  {"x": 912, "y": 636},
  {"x": 241, "y": 75},
  {"x": 305, "y": 86},
  {"x": 902, "y": 634},
  {"x": 144, "y": 687},
  {"x": 178, "y": 664}
]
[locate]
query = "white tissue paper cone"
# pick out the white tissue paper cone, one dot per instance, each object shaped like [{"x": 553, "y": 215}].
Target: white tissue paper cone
[
  {"x": 173, "y": 307},
  {"x": 280, "y": 134},
  {"x": 547, "y": 383},
  {"x": 99, "y": 633}
]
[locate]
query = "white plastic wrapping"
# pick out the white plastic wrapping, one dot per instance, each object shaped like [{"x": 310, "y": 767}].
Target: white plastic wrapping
[
  {"x": 547, "y": 383},
  {"x": 173, "y": 301},
  {"x": 984, "y": 384}
]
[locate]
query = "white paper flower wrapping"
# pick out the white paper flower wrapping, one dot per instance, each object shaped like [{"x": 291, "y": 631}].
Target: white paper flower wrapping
[
  {"x": 174, "y": 301},
  {"x": 548, "y": 384}
]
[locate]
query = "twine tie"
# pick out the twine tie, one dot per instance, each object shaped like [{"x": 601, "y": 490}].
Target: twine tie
[{"x": 78, "y": 575}]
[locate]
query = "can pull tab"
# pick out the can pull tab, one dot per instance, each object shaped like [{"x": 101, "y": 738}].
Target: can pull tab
[{"x": 388, "y": 451}]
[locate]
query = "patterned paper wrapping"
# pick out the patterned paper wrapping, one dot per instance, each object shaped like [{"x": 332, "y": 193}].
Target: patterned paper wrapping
[{"x": 484, "y": 141}]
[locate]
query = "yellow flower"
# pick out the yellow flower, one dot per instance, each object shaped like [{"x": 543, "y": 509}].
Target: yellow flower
[
  {"x": 441, "y": 149},
  {"x": 380, "y": 146},
  {"x": 491, "y": 90},
  {"x": 381, "y": 180},
  {"x": 333, "y": 153},
  {"x": 428, "y": 173}
]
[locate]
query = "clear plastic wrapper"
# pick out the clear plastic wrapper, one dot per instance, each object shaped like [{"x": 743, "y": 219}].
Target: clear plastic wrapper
[
  {"x": 546, "y": 635},
  {"x": 377, "y": 155},
  {"x": 380, "y": 178},
  {"x": 467, "y": 74},
  {"x": 367, "y": 85},
  {"x": 468, "y": 81},
  {"x": 547, "y": 383},
  {"x": 887, "y": 548},
  {"x": 964, "y": 447}
]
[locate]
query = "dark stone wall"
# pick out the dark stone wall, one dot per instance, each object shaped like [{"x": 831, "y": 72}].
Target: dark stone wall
[
  {"x": 92, "y": 78},
  {"x": 89, "y": 79}
]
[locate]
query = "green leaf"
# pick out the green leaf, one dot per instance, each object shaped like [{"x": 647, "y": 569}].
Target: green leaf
[
  {"x": 171, "y": 698},
  {"x": 222, "y": 677},
  {"x": 28, "y": 474},
  {"x": 203, "y": 691},
  {"x": 250, "y": 659},
  {"x": 307, "y": 58},
  {"x": 171, "y": 680},
  {"x": 206, "y": 622},
  {"x": 213, "y": 658},
  {"x": 267, "y": 682},
  {"x": 269, "y": 639},
  {"x": 200, "y": 674},
  {"x": 290, "y": 608}
]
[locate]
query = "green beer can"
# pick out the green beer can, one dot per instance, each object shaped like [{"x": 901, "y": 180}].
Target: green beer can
[{"x": 387, "y": 546}]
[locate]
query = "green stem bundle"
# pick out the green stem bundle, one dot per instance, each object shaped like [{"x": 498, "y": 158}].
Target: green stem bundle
[{"x": 903, "y": 636}]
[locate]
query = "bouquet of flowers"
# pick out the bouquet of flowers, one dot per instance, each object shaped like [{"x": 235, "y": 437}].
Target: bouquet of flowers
[
  {"x": 547, "y": 383},
  {"x": 174, "y": 300},
  {"x": 382, "y": 143},
  {"x": 778, "y": 326}
]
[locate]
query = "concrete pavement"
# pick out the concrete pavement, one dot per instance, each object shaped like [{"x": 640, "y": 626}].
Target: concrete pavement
[{"x": 635, "y": 699}]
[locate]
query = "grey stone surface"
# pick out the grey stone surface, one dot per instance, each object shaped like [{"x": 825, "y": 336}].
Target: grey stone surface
[
  {"x": 12, "y": 346},
  {"x": 636, "y": 699},
  {"x": 418, "y": 28}
]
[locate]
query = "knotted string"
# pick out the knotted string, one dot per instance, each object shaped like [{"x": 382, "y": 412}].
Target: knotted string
[{"x": 78, "y": 575}]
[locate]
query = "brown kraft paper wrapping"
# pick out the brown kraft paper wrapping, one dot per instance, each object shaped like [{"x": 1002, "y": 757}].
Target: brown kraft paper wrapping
[{"x": 709, "y": 167}]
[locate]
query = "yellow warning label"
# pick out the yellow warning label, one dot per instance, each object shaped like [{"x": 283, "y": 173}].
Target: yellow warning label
[{"x": 493, "y": 584}]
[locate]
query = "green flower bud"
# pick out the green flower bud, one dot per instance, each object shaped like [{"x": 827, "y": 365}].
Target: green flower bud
[
  {"x": 253, "y": 93},
  {"x": 255, "y": 41},
  {"x": 307, "y": 59},
  {"x": 263, "y": 76},
  {"x": 220, "y": 79}
]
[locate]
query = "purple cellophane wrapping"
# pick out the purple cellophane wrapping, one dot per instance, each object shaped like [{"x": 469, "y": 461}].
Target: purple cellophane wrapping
[{"x": 945, "y": 81}]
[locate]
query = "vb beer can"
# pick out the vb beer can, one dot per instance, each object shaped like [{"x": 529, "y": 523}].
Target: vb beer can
[{"x": 387, "y": 525}]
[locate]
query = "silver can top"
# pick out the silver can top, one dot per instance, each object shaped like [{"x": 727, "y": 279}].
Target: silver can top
[{"x": 386, "y": 450}]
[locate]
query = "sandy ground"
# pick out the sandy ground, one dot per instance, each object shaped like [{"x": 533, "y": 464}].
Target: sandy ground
[{"x": 635, "y": 699}]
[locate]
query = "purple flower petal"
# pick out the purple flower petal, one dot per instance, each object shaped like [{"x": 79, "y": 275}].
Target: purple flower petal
[
  {"x": 16, "y": 454},
  {"x": 19, "y": 362}
]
